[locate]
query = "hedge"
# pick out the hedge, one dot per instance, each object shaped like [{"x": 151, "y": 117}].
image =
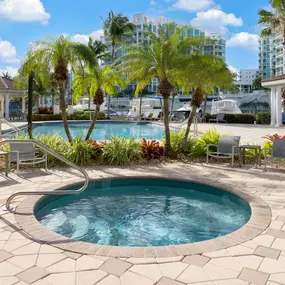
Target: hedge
[
  {"x": 75, "y": 116},
  {"x": 234, "y": 118},
  {"x": 263, "y": 118}
]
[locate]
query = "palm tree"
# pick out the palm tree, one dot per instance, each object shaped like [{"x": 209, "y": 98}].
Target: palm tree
[
  {"x": 117, "y": 28},
  {"x": 205, "y": 73},
  {"x": 96, "y": 80},
  {"x": 56, "y": 55},
  {"x": 274, "y": 21},
  {"x": 6, "y": 75},
  {"x": 98, "y": 48},
  {"x": 160, "y": 59}
]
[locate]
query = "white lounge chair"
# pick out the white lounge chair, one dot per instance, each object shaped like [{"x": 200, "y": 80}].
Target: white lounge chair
[
  {"x": 227, "y": 147},
  {"x": 155, "y": 115},
  {"x": 25, "y": 154},
  {"x": 277, "y": 151}
]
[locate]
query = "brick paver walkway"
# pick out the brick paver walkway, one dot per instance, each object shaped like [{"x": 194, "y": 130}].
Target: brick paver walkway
[{"x": 260, "y": 261}]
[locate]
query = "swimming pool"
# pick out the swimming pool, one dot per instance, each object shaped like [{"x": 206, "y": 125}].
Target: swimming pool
[
  {"x": 144, "y": 212},
  {"x": 103, "y": 130}
]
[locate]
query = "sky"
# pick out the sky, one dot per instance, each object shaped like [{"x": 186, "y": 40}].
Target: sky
[{"x": 25, "y": 21}]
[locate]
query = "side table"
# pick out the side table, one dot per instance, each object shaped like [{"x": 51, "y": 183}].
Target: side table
[
  {"x": 257, "y": 149},
  {"x": 6, "y": 155}
]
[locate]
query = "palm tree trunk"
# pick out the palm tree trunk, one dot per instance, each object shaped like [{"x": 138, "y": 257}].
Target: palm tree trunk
[
  {"x": 166, "y": 125},
  {"x": 187, "y": 131},
  {"x": 91, "y": 128},
  {"x": 205, "y": 104},
  {"x": 63, "y": 111}
]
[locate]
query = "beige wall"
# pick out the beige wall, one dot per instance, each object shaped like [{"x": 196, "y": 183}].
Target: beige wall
[{"x": 1, "y": 106}]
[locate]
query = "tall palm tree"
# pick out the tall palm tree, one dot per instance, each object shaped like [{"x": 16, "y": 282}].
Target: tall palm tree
[
  {"x": 98, "y": 48},
  {"x": 274, "y": 21},
  {"x": 96, "y": 80},
  {"x": 56, "y": 55},
  {"x": 6, "y": 75},
  {"x": 205, "y": 73},
  {"x": 159, "y": 58},
  {"x": 117, "y": 28}
]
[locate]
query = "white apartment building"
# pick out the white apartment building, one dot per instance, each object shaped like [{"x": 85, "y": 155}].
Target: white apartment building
[
  {"x": 218, "y": 47},
  {"x": 271, "y": 56},
  {"x": 245, "y": 79}
]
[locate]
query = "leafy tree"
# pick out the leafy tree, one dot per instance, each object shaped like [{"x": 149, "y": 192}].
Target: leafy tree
[
  {"x": 160, "y": 58},
  {"x": 204, "y": 73},
  {"x": 54, "y": 55},
  {"x": 98, "y": 48},
  {"x": 96, "y": 80},
  {"x": 274, "y": 21}
]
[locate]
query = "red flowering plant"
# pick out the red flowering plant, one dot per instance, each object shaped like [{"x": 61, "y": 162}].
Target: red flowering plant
[
  {"x": 46, "y": 110},
  {"x": 96, "y": 148},
  {"x": 273, "y": 137},
  {"x": 151, "y": 149}
]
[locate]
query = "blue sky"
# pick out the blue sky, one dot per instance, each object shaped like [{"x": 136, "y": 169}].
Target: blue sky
[{"x": 25, "y": 21}]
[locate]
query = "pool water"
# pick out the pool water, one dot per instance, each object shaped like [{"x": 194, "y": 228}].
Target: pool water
[
  {"x": 145, "y": 212},
  {"x": 103, "y": 130}
]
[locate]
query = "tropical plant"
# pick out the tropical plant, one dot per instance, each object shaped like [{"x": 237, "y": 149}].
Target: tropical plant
[
  {"x": 273, "y": 21},
  {"x": 273, "y": 137},
  {"x": 6, "y": 75},
  {"x": 205, "y": 73},
  {"x": 98, "y": 48},
  {"x": 118, "y": 29},
  {"x": 96, "y": 80},
  {"x": 161, "y": 58},
  {"x": 54, "y": 55},
  {"x": 176, "y": 139},
  {"x": 151, "y": 149},
  {"x": 121, "y": 151}
]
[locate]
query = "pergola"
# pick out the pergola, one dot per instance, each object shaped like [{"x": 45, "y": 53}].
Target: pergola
[
  {"x": 276, "y": 84},
  {"x": 8, "y": 90}
]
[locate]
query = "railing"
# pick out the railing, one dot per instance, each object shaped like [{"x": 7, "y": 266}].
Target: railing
[
  {"x": 13, "y": 127},
  {"x": 194, "y": 123},
  {"x": 56, "y": 155}
]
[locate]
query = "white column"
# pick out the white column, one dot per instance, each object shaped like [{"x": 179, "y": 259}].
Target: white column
[
  {"x": 273, "y": 106},
  {"x": 23, "y": 104},
  {"x": 278, "y": 103},
  {"x": 6, "y": 107}
]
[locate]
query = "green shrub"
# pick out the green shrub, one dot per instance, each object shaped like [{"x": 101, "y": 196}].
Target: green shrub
[
  {"x": 211, "y": 136},
  {"x": 80, "y": 152},
  {"x": 239, "y": 118},
  {"x": 263, "y": 118},
  {"x": 234, "y": 118},
  {"x": 176, "y": 139},
  {"x": 121, "y": 151},
  {"x": 266, "y": 145},
  {"x": 77, "y": 115}
]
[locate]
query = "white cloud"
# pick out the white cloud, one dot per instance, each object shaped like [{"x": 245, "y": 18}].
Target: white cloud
[
  {"x": 13, "y": 71},
  {"x": 193, "y": 5},
  {"x": 83, "y": 38},
  {"x": 153, "y": 3},
  {"x": 8, "y": 53},
  {"x": 24, "y": 11},
  {"x": 244, "y": 40},
  {"x": 216, "y": 21}
]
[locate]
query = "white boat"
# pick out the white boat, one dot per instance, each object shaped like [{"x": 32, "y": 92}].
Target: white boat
[{"x": 226, "y": 106}]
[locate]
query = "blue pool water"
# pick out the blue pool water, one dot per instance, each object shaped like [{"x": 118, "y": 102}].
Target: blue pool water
[
  {"x": 147, "y": 212},
  {"x": 103, "y": 130}
]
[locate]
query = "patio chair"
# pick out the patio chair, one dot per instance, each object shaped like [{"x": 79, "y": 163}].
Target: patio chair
[
  {"x": 25, "y": 154},
  {"x": 146, "y": 116},
  {"x": 227, "y": 147},
  {"x": 155, "y": 115},
  {"x": 220, "y": 118},
  {"x": 277, "y": 151}
]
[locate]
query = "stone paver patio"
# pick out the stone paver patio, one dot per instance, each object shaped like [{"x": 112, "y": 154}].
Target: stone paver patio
[{"x": 259, "y": 261}]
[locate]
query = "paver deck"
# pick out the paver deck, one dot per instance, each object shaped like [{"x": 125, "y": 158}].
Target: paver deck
[{"x": 259, "y": 261}]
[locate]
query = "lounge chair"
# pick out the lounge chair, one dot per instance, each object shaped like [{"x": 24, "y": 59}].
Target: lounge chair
[
  {"x": 219, "y": 119},
  {"x": 227, "y": 147},
  {"x": 146, "y": 116},
  {"x": 25, "y": 154},
  {"x": 155, "y": 115},
  {"x": 277, "y": 151}
]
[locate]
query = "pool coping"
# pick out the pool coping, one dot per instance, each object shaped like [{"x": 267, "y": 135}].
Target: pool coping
[{"x": 258, "y": 223}]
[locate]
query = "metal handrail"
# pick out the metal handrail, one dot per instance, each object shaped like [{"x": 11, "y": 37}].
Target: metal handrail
[
  {"x": 4, "y": 121},
  {"x": 56, "y": 155}
]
